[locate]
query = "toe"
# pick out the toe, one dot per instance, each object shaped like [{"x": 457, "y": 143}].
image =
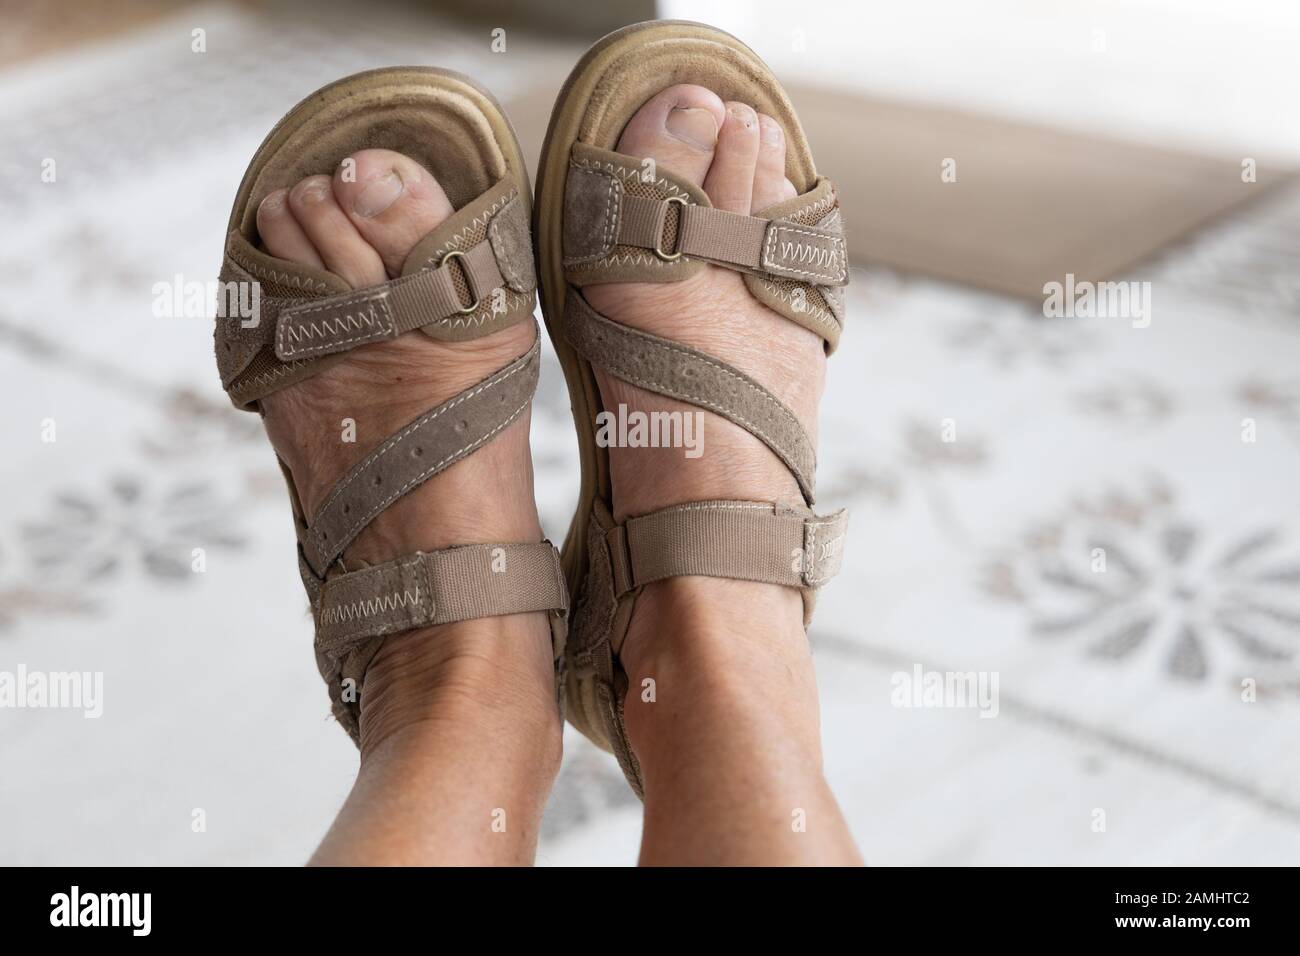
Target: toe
[
  {"x": 281, "y": 235},
  {"x": 730, "y": 182},
  {"x": 677, "y": 129},
  {"x": 392, "y": 200},
  {"x": 345, "y": 253},
  {"x": 770, "y": 184}
]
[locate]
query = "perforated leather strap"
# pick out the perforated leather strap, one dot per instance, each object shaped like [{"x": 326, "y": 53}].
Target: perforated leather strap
[
  {"x": 744, "y": 540},
  {"x": 418, "y": 451},
  {"x": 688, "y": 375},
  {"x": 375, "y": 314},
  {"x": 438, "y": 587}
]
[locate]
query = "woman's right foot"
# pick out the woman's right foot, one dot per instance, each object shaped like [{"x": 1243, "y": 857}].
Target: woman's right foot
[
  {"x": 731, "y": 731},
  {"x": 735, "y": 699},
  {"x": 738, "y": 157}
]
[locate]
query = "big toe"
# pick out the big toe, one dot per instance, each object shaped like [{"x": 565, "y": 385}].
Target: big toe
[
  {"x": 392, "y": 200},
  {"x": 677, "y": 129}
]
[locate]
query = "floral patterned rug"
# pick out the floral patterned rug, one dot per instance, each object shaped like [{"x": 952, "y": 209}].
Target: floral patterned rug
[{"x": 1100, "y": 521}]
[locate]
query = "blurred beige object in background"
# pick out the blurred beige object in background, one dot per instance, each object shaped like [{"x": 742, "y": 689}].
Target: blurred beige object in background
[
  {"x": 1005, "y": 205},
  {"x": 939, "y": 190},
  {"x": 36, "y": 27}
]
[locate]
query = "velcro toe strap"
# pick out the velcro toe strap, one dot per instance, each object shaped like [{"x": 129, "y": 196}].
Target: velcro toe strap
[
  {"x": 282, "y": 322},
  {"x": 438, "y": 587},
  {"x": 774, "y": 247},
  {"x": 743, "y": 540},
  {"x": 613, "y": 202},
  {"x": 465, "y": 278},
  {"x": 341, "y": 322}
]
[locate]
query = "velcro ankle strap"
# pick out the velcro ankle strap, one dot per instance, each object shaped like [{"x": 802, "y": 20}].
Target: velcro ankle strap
[
  {"x": 438, "y": 587},
  {"x": 743, "y": 540}
]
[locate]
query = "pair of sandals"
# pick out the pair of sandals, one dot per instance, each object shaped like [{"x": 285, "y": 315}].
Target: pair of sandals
[{"x": 599, "y": 217}]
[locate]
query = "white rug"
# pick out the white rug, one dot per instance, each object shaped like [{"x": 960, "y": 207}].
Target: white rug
[{"x": 1121, "y": 735}]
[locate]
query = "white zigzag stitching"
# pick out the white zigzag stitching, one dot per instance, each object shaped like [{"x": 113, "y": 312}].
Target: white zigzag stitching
[
  {"x": 369, "y": 607},
  {"x": 350, "y": 322},
  {"x": 270, "y": 274},
  {"x": 808, "y": 254},
  {"x": 825, "y": 316},
  {"x": 270, "y": 375}
]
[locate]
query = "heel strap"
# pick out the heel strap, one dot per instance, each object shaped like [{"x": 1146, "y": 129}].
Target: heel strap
[
  {"x": 742, "y": 540},
  {"x": 354, "y": 611},
  {"x": 438, "y": 587}
]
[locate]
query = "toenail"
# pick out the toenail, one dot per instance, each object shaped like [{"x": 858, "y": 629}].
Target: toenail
[
  {"x": 743, "y": 114},
  {"x": 378, "y": 195},
  {"x": 771, "y": 132},
  {"x": 694, "y": 126},
  {"x": 313, "y": 191},
  {"x": 274, "y": 202}
]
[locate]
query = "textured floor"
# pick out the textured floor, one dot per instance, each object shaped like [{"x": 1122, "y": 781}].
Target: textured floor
[{"x": 1123, "y": 731}]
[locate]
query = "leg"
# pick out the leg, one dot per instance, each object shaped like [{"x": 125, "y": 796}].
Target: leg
[
  {"x": 460, "y": 731},
  {"x": 460, "y": 745},
  {"x": 730, "y": 746},
  {"x": 730, "y": 749}
]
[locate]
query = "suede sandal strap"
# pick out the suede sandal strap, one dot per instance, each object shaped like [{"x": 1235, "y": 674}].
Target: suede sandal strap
[
  {"x": 438, "y": 587},
  {"x": 742, "y": 540},
  {"x": 416, "y": 452},
  {"x": 686, "y": 374},
  {"x": 385, "y": 311}
]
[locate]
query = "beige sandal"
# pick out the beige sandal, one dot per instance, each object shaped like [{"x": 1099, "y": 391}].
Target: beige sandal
[
  {"x": 602, "y": 217},
  {"x": 471, "y": 276}
]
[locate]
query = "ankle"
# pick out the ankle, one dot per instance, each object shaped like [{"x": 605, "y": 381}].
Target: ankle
[
  {"x": 712, "y": 624},
  {"x": 494, "y": 673},
  {"x": 720, "y": 655}
]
